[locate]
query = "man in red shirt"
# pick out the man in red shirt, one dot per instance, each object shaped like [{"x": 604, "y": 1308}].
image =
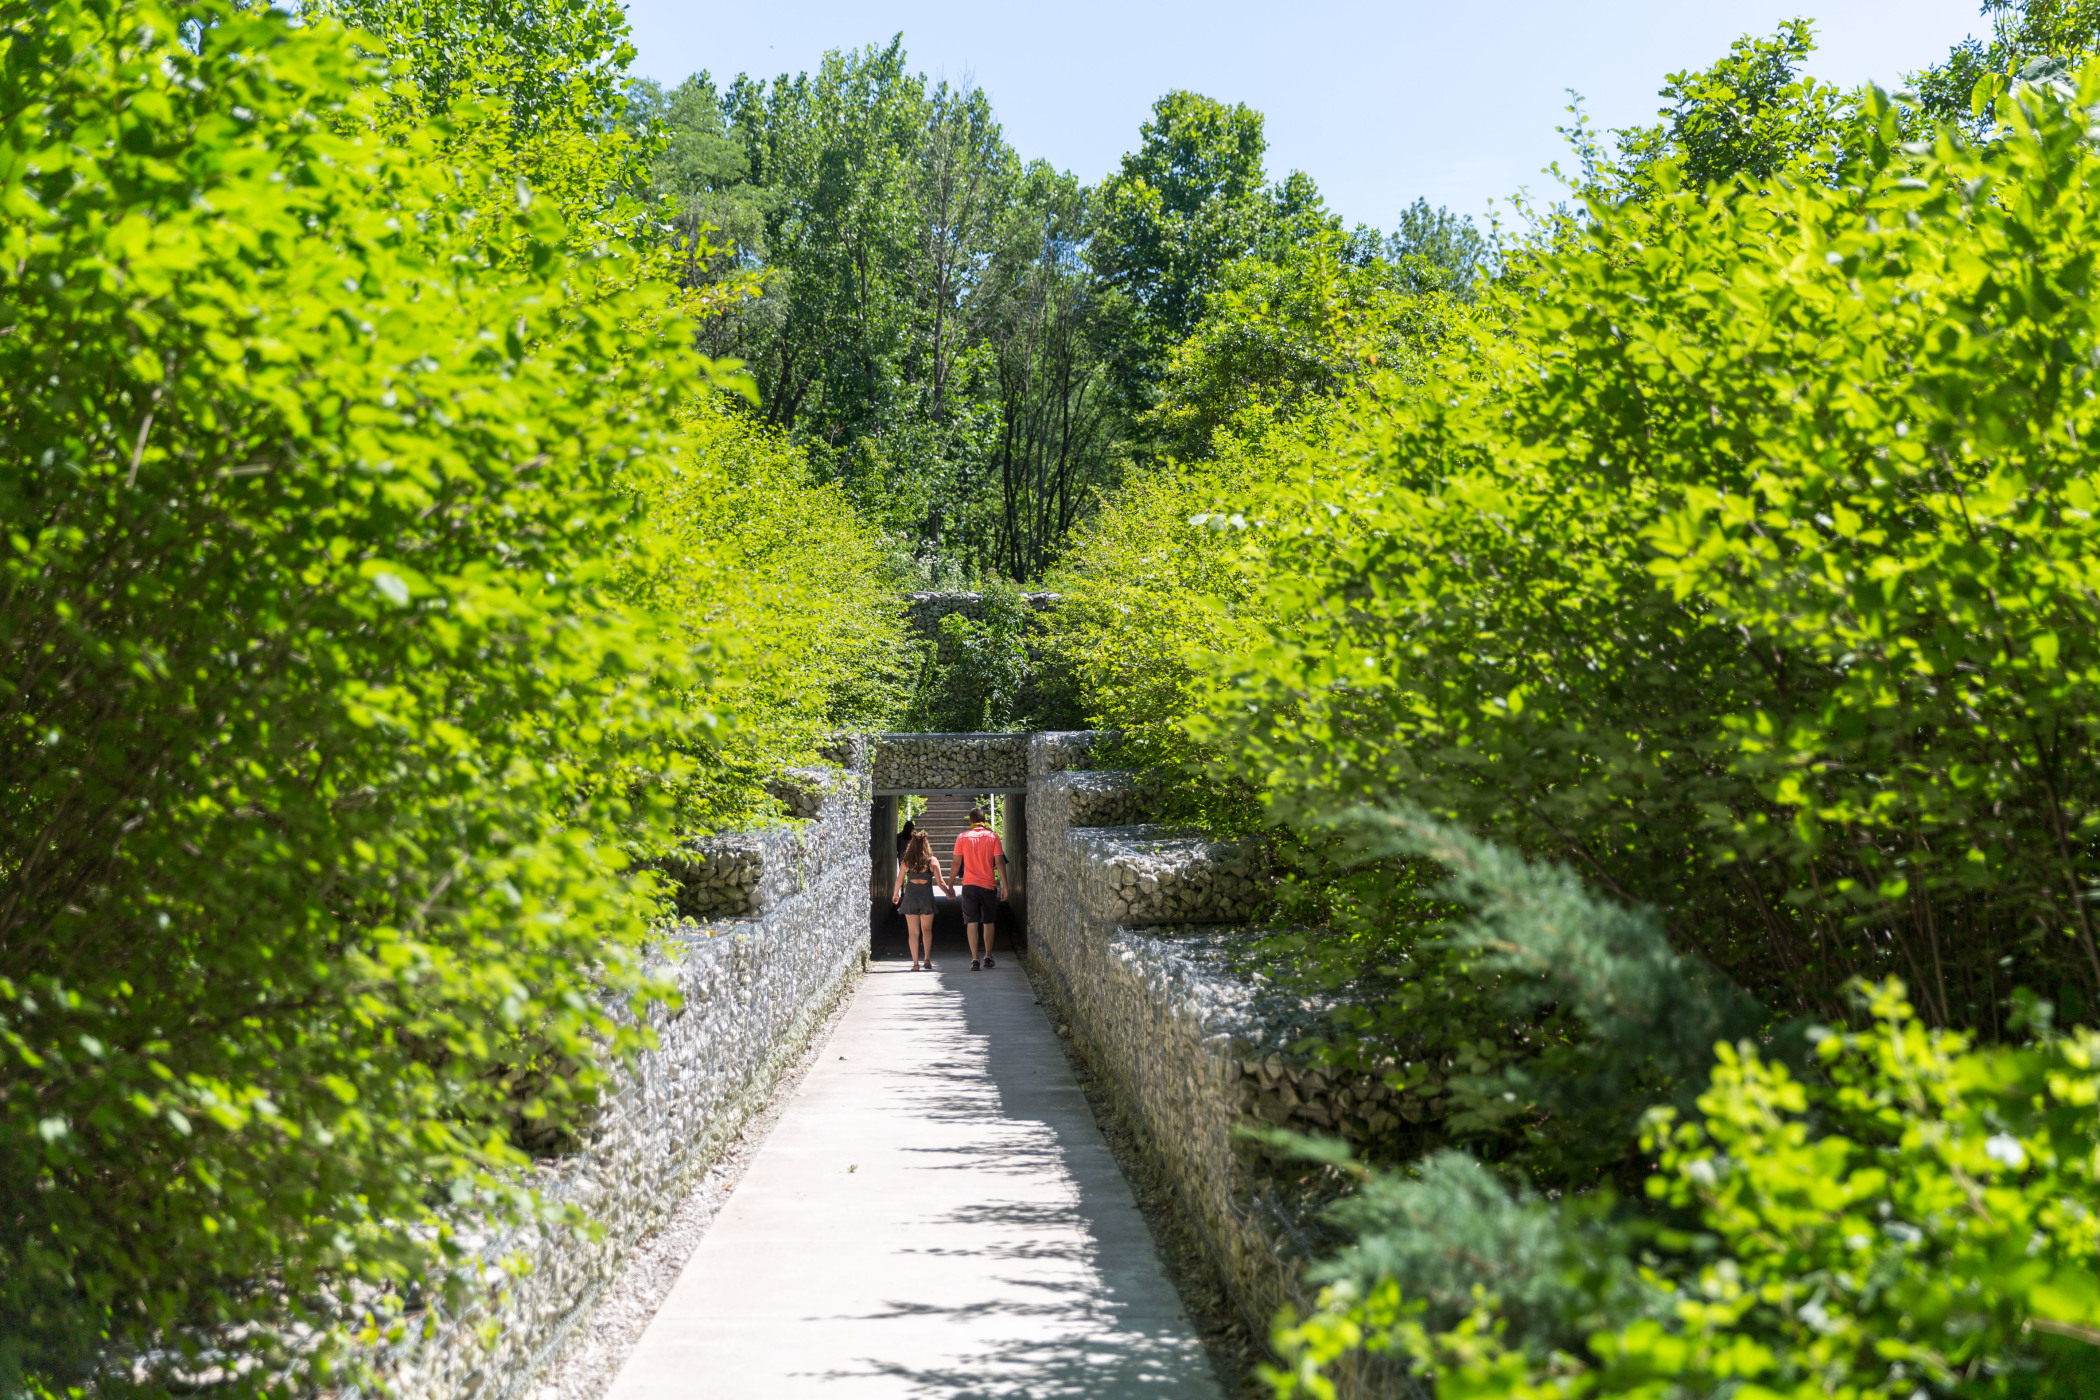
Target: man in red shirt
[{"x": 980, "y": 868}]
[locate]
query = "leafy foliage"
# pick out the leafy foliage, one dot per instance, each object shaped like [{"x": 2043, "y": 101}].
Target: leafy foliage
[
  {"x": 1438, "y": 251},
  {"x": 1731, "y": 561},
  {"x": 1710, "y": 603},
  {"x": 2025, "y": 34},
  {"x": 1752, "y": 115},
  {"x": 792, "y": 596},
  {"x": 1917, "y": 1216},
  {"x": 1284, "y": 335},
  {"x": 336, "y": 712},
  {"x": 974, "y": 675},
  {"x": 1169, "y": 577}
]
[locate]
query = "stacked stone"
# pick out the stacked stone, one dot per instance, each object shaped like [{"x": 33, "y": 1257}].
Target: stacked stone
[
  {"x": 847, "y": 752},
  {"x": 1359, "y": 1107},
  {"x": 925, "y": 610},
  {"x": 1051, "y": 752},
  {"x": 752, "y": 989},
  {"x": 1136, "y": 928},
  {"x": 1078, "y": 800},
  {"x": 950, "y": 762},
  {"x": 1142, "y": 875},
  {"x": 718, "y": 879},
  {"x": 802, "y": 791}
]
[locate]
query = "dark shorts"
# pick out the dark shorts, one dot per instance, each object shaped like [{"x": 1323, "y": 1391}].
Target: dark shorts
[
  {"x": 917, "y": 900},
  {"x": 980, "y": 905}
]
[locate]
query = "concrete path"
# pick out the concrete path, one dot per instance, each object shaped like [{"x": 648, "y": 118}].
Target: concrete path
[{"x": 935, "y": 1215}]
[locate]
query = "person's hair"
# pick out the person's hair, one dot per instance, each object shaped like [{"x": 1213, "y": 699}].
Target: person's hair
[
  {"x": 977, "y": 814},
  {"x": 918, "y": 852},
  {"x": 909, "y": 827}
]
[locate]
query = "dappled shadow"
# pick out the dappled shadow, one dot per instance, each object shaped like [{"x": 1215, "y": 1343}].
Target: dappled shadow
[
  {"x": 1092, "y": 1325},
  {"x": 988, "y": 1245}
]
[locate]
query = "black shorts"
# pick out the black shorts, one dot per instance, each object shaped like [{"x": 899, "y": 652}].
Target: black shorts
[{"x": 980, "y": 905}]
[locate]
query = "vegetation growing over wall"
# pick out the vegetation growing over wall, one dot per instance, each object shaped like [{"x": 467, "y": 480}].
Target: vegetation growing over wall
[{"x": 1731, "y": 565}]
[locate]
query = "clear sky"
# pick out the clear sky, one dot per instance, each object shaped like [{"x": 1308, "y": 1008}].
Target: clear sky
[{"x": 1380, "y": 103}]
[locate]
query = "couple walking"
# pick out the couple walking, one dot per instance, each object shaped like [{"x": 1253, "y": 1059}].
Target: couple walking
[{"x": 980, "y": 864}]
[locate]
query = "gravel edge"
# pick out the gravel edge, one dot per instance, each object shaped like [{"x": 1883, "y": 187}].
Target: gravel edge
[
  {"x": 591, "y": 1358},
  {"x": 1233, "y": 1349}
]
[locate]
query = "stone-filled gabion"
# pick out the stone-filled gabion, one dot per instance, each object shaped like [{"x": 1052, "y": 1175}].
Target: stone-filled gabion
[
  {"x": 1191, "y": 1043},
  {"x": 924, "y": 611},
  {"x": 1063, "y": 750},
  {"x": 718, "y": 879},
  {"x": 949, "y": 762},
  {"x": 753, "y": 988},
  {"x": 1078, "y": 799},
  {"x": 1139, "y": 875},
  {"x": 1250, "y": 1023},
  {"x": 747, "y": 872}
]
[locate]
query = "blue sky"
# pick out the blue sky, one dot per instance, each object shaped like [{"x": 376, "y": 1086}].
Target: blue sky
[{"x": 1379, "y": 103}]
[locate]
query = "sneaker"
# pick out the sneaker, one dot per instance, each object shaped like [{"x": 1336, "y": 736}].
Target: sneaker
[
  {"x": 988, "y": 961},
  {"x": 974, "y": 964}
]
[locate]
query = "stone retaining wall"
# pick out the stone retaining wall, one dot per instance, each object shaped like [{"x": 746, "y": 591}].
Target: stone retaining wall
[
  {"x": 1140, "y": 932},
  {"x": 787, "y": 929}
]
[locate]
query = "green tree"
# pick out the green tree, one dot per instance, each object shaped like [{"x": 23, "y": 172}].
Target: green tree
[
  {"x": 2023, "y": 32},
  {"x": 1753, "y": 115},
  {"x": 1192, "y": 198},
  {"x": 553, "y": 65},
  {"x": 333, "y": 723},
  {"x": 703, "y": 172},
  {"x": 1039, "y": 313},
  {"x": 1439, "y": 251},
  {"x": 1689, "y": 580},
  {"x": 839, "y": 147},
  {"x": 1283, "y": 333}
]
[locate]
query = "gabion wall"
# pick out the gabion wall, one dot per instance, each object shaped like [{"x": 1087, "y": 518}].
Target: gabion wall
[
  {"x": 949, "y": 762},
  {"x": 740, "y": 874},
  {"x": 1065, "y": 751},
  {"x": 1139, "y": 875},
  {"x": 757, "y": 977},
  {"x": 1140, "y": 930}
]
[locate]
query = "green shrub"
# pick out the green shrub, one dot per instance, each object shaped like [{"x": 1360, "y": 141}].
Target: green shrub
[
  {"x": 1748, "y": 575},
  {"x": 1147, "y": 598},
  {"x": 325, "y": 727},
  {"x": 1915, "y": 1217},
  {"x": 789, "y": 596}
]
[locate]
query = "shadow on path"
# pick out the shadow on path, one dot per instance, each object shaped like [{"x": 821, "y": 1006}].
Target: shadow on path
[{"x": 935, "y": 1216}]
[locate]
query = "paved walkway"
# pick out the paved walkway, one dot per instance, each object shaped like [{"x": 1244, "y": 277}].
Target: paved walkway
[{"x": 935, "y": 1215}]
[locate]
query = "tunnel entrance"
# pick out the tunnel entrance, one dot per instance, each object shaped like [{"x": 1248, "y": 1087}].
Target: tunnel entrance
[{"x": 936, "y": 779}]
